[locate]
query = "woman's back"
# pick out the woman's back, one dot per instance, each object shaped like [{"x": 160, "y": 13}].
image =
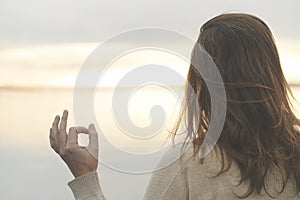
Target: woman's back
[
  {"x": 191, "y": 178},
  {"x": 260, "y": 132}
]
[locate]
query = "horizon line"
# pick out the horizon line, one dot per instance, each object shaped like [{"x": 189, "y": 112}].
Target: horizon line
[{"x": 55, "y": 87}]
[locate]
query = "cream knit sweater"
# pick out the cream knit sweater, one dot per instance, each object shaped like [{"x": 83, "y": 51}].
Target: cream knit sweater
[{"x": 189, "y": 179}]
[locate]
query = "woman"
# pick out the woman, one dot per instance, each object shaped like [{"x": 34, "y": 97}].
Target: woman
[{"x": 257, "y": 155}]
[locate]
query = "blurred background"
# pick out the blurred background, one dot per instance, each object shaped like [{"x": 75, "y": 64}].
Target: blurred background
[{"x": 43, "y": 44}]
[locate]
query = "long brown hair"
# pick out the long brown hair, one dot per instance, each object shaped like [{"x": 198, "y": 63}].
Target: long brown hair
[{"x": 260, "y": 130}]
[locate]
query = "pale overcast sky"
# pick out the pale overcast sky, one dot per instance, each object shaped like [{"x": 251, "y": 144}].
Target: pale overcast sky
[
  {"x": 53, "y": 21},
  {"x": 45, "y": 42}
]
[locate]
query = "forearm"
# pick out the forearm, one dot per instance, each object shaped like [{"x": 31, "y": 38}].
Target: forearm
[{"x": 87, "y": 187}]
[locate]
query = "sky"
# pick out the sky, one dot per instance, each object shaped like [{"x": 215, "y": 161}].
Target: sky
[{"x": 44, "y": 43}]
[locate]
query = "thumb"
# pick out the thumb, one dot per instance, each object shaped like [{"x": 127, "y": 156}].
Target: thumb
[{"x": 93, "y": 146}]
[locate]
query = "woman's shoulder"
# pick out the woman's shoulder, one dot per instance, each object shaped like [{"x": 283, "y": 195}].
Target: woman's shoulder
[{"x": 180, "y": 157}]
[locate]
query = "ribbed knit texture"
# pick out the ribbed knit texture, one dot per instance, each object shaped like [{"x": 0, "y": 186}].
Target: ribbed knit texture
[
  {"x": 86, "y": 187},
  {"x": 189, "y": 179}
]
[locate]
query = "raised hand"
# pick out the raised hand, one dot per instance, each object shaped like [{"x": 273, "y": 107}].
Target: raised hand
[{"x": 80, "y": 159}]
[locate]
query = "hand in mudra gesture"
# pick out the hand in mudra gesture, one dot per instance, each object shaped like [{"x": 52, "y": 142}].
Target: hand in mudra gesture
[{"x": 80, "y": 159}]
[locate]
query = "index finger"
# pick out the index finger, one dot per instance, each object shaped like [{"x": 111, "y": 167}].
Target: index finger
[
  {"x": 81, "y": 129},
  {"x": 73, "y": 135}
]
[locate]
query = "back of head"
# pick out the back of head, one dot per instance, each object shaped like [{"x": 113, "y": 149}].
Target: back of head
[{"x": 260, "y": 131}]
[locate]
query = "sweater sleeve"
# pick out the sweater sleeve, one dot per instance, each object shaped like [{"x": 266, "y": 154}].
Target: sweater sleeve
[
  {"x": 167, "y": 183},
  {"x": 87, "y": 187}
]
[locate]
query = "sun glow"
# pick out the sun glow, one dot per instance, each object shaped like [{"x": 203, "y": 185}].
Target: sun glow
[{"x": 57, "y": 65}]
